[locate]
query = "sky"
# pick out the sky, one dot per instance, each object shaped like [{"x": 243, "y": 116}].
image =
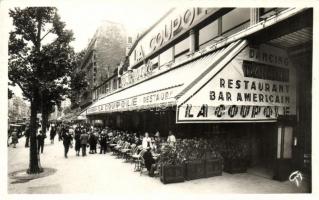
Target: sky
[{"x": 83, "y": 20}]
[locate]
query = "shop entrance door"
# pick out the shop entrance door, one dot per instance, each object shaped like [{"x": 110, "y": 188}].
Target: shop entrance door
[{"x": 263, "y": 147}]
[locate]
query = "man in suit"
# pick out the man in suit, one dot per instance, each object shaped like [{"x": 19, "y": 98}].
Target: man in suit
[
  {"x": 103, "y": 142},
  {"x": 84, "y": 141},
  {"x": 40, "y": 139}
]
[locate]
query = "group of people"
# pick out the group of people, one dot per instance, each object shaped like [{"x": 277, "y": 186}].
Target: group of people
[
  {"x": 149, "y": 147},
  {"x": 85, "y": 135},
  {"x": 152, "y": 147},
  {"x": 89, "y": 136}
]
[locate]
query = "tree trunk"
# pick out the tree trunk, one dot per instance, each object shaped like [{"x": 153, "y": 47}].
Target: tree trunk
[{"x": 34, "y": 162}]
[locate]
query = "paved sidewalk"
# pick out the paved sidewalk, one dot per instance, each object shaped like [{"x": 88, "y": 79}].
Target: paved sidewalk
[{"x": 105, "y": 174}]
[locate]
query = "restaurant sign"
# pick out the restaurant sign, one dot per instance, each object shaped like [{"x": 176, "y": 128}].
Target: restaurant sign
[
  {"x": 259, "y": 84},
  {"x": 152, "y": 99},
  {"x": 173, "y": 25}
]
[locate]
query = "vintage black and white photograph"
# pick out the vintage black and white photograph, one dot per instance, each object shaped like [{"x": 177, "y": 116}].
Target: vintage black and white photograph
[{"x": 123, "y": 98}]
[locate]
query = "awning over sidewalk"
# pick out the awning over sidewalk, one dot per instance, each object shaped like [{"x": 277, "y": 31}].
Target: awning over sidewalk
[
  {"x": 81, "y": 116},
  {"x": 164, "y": 89}
]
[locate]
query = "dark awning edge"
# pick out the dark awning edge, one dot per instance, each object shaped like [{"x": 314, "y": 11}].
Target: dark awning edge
[{"x": 231, "y": 51}]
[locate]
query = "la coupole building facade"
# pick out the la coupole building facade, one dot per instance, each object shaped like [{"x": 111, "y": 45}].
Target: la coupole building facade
[{"x": 231, "y": 73}]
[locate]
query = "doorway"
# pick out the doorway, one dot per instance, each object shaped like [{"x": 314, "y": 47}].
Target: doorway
[{"x": 263, "y": 149}]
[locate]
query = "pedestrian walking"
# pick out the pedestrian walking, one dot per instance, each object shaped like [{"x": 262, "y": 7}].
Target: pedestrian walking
[
  {"x": 40, "y": 140},
  {"x": 62, "y": 131},
  {"x": 77, "y": 138},
  {"x": 59, "y": 131},
  {"x": 27, "y": 137},
  {"x": 14, "y": 137},
  {"x": 84, "y": 141},
  {"x": 67, "y": 142},
  {"x": 48, "y": 127},
  {"x": 52, "y": 133}
]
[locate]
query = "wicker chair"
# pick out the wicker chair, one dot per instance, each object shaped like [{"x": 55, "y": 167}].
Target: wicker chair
[
  {"x": 125, "y": 148},
  {"x": 128, "y": 155},
  {"x": 137, "y": 159},
  {"x": 142, "y": 164}
]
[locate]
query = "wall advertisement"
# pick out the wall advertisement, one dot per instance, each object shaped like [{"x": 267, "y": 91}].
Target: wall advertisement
[{"x": 257, "y": 85}]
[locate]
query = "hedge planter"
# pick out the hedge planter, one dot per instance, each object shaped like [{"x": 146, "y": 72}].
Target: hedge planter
[
  {"x": 213, "y": 167},
  {"x": 194, "y": 169},
  {"x": 172, "y": 173},
  {"x": 235, "y": 166}
]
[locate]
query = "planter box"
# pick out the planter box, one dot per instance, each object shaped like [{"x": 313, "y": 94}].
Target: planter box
[
  {"x": 213, "y": 167},
  {"x": 172, "y": 173},
  {"x": 194, "y": 169},
  {"x": 236, "y": 166}
]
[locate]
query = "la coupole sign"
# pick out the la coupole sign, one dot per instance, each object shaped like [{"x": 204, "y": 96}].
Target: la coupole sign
[
  {"x": 172, "y": 26},
  {"x": 259, "y": 84}
]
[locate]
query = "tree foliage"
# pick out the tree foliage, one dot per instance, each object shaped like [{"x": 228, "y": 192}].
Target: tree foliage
[
  {"x": 38, "y": 65},
  {"x": 78, "y": 81}
]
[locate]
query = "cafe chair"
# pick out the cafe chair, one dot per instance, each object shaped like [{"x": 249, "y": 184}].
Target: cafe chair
[{"x": 137, "y": 160}]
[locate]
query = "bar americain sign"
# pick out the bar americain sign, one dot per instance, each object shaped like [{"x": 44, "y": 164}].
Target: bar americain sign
[{"x": 259, "y": 84}]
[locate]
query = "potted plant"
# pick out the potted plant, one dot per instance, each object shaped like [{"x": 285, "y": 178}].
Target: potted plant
[
  {"x": 236, "y": 156},
  {"x": 171, "y": 167},
  {"x": 213, "y": 160},
  {"x": 194, "y": 153}
]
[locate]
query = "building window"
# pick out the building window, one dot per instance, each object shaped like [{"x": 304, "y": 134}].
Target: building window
[
  {"x": 181, "y": 47},
  {"x": 107, "y": 87},
  {"x": 235, "y": 18},
  {"x": 102, "y": 89},
  {"x": 154, "y": 62},
  {"x": 166, "y": 56},
  {"x": 208, "y": 32},
  {"x": 114, "y": 84},
  {"x": 268, "y": 12}
]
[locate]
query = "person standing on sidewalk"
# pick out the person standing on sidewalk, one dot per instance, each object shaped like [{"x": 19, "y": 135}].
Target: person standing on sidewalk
[
  {"x": 77, "y": 136},
  {"x": 67, "y": 142},
  {"x": 40, "y": 139},
  {"x": 92, "y": 142},
  {"x": 84, "y": 141},
  {"x": 103, "y": 142}
]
